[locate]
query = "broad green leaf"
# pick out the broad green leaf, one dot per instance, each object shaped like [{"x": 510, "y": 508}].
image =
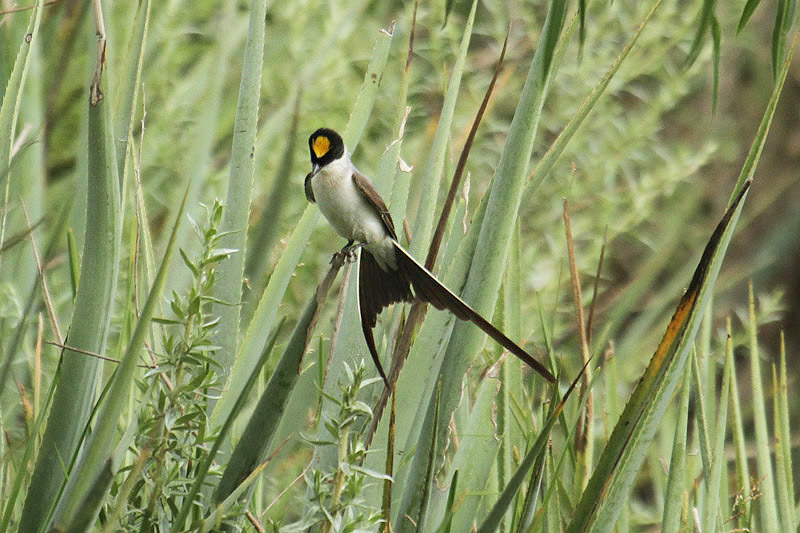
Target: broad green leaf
[
  {"x": 485, "y": 275},
  {"x": 74, "y": 262},
  {"x": 447, "y": 522},
  {"x": 432, "y": 175},
  {"x": 390, "y": 160},
  {"x": 511, "y": 373},
  {"x": 475, "y": 457},
  {"x": 228, "y": 287},
  {"x": 86, "y": 509},
  {"x": 362, "y": 109},
  {"x": 608, "y": 489},
  {"x": 784, "y": 16},
  {"x": 95, "y": 463},
  {"x": 704, "y": 23},
  {"x": 213, "y": 521},
  {"x": 263, "y": 320},
  {"x": 265, "y": 231},
  {"x": 747, "y": 12},
  {"x": 263, "y": 423},
  {"x": 90, "y": 321},
  {"x": 420, "y": 519},
  {"x": 613, "y": 478}
]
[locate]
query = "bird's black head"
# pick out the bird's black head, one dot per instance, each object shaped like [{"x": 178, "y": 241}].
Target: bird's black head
[{"x": 325, "y": 146}]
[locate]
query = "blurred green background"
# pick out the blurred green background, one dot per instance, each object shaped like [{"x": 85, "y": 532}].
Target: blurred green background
[
  {"x": 652, "y": 167},
  {"x": 653, "y": 160}
]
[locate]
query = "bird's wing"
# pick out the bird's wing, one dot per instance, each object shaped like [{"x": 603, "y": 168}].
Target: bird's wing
[
  {"x": 377, "y": 288},
  {"x": 370, "y": 194},
  {"x": 309, "y": 189}
]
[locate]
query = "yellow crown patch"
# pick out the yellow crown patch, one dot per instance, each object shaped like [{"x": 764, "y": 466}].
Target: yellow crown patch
[{"x": 321, "y": 145}]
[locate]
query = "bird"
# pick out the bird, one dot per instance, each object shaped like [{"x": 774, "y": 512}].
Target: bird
[{"x": 387, "y": 272}]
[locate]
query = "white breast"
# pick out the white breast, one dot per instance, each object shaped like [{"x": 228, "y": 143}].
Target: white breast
[
  {"x": 343, "y": 205},
  {"x": 348, "y": 212}
]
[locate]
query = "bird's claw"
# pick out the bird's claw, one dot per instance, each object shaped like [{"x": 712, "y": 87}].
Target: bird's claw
[
  {"x": 347, "y": 253},
  {"x": 350, "y": 251}
]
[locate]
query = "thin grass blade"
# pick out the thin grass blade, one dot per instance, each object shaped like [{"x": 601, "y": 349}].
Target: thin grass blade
[
  {"x": 547, "y": 161},
  {"x": 711, "y": 510},
  {"x": 604, "y": 497},
  {"x": 536, "y": 453},
  {"x": 754, "y": 154},
  {"x": 766, "y": 504},
  {"x": 12, "y": 98},
  {"x": 701, "y": 418},
  {"x": 783, "y": 447},
  {"x": 742, "y": 507},
  {"x": 676, "y": 478}
]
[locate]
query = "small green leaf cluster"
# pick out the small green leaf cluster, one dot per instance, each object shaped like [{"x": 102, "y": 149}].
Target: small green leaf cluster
[
  {"x": 335, "y": 498},
  {"x": 178, "y": 388}
]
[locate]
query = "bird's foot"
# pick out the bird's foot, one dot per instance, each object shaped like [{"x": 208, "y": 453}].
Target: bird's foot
[{"x": 348, "y": 252}]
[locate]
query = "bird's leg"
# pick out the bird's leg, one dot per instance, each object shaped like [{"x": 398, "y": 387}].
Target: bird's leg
[{"x": 350, "y": 250}]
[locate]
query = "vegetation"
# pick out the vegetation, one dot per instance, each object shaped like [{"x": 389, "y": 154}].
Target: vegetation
[{"x": 179, "y": 352}]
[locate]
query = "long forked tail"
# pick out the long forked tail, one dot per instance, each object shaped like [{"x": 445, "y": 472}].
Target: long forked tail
[
  {"x": 431, "y": 290},
  {"x": 378, "y": 288}
]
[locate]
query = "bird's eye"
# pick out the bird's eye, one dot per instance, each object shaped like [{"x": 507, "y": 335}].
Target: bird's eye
[{"x": 321, "y": 145}]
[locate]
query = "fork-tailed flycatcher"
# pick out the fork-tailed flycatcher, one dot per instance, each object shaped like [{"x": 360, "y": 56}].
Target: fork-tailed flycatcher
[{"x": 387, "y": 272}]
